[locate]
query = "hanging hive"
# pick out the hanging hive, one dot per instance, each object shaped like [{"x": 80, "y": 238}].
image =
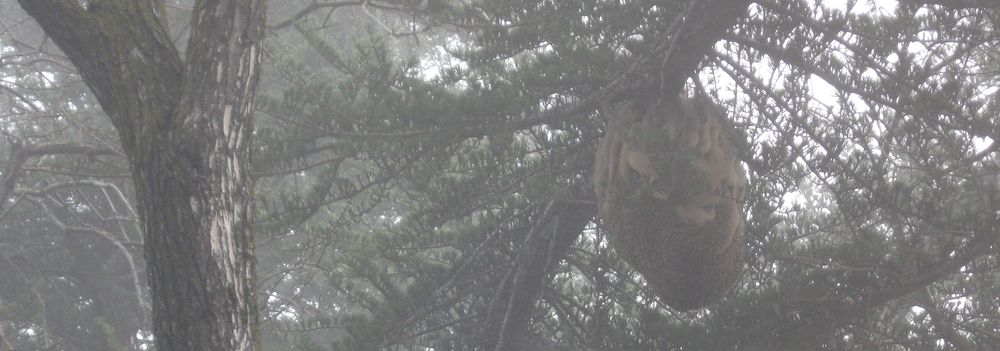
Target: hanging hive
[{"x": 669, "y": 187}]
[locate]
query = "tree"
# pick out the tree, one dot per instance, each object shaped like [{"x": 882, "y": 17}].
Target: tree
[
  {"x": 184, "y": 121},
  {"x": 866, "y": 176},
  {"x": 423, "y": 178}
]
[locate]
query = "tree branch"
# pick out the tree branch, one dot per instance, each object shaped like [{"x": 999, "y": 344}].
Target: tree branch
[
  {"x": 66, "y": 149},
  {"x": 123, "y": 52},
  {"x": 305, "y": 11},
  {"x": 20, "y": 154},
  {"x": 694, "y": 37},
  {"x": 508, "y": 320},
  {"x": 942, "y": 324}
]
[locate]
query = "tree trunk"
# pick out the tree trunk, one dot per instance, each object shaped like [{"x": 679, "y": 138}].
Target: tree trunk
[{"x": 186, "y": 126}]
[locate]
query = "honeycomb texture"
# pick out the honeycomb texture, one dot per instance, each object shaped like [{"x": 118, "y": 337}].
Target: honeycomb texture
[{"x": 670, "y": 186}]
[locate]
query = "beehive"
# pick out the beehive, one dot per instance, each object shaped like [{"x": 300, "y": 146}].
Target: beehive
[{"x": 670, "y": 186}]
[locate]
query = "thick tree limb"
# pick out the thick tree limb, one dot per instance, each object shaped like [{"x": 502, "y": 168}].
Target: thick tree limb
[
  {"x": 696, "y": 34},
  {"x": 123, "y": 52},
  {"x": 508, "y": 320}
]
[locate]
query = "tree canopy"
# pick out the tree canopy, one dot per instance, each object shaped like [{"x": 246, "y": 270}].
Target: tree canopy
[{"x": 423, "y": 177}]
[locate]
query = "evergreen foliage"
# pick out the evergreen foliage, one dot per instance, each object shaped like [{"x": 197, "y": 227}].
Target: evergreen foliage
[
  {"x": 412, "y": 156},
  {"x": 865, "y": 150}
]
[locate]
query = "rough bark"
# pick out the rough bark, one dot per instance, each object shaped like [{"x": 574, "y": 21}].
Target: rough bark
[{"x": 185, "y": 124}]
